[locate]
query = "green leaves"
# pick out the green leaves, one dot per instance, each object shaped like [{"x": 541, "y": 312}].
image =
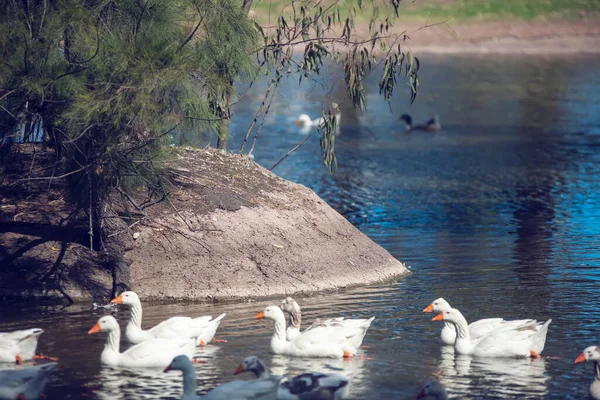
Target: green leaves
[{"x": 327, "y": 140}]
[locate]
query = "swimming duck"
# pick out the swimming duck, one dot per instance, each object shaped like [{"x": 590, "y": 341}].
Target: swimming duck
[
  {"x": 477, "y": 329},
  {"x": 19, "y": 346},
  {"x": 316, "y": 342},
  {"x": 235, "y": 390},
  {"x": 311, "y": 385},
  {"x": 592, "y": 353},
  {"x": 203, "y": 328},
  {"x": 306, "y": 124},
  {"x": 357, "y": 326},
  {"x": 26, "y": 383},
  {"x": 433, "y": 125},
  {"x": 526, "y": 340},
  {"x": 433, "y": 389},
  {"x": 150, "y": 353}
]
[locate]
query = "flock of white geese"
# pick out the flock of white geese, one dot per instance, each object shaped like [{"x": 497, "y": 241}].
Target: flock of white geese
[{"x": 171, "y": 345}]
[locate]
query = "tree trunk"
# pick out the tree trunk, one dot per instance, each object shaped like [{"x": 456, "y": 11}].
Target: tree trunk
[
  {"x": 223, "y": 134},
  {"x": 96, "y": 203}
]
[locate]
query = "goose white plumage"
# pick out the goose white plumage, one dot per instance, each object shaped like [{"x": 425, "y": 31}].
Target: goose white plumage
[
  {"x": 477, "y": 329},
  {"x": 19, "y": 345},
  {"x": 592, "y": 353},
  {"x": 311, "y": 385},
  {"x": 234, "y": 390},
  {"x": 26, "y": 383},
  {"x": 316, "y": 342},
  {"x": 356, "y": 326},
  {"x": 523, "y": 340},
  {"x": 151, "y": 353},
  {"x": 433, "y": 389},
  {"x": 306, "y": 124},
  {"x": 203, "y": 328}
]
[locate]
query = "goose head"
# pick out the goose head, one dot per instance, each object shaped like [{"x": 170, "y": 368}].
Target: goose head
[
  {"x": 273, "y": 313},
  {"x": 434, "y": 389},
  {"x": 450, "y": 315},
  {"x": 438, "y": 305},
  {"x": 251, "y": 364},
  {"x": 127, "y": 298},
  {"x": 108, "y": 323},
  {"x": 289, "y": 305},
  {"x": 406, "y": 118},
  {"x": 303, "y": 121},
  {"x": 180, "y": 363},
  {"x": 591, "y": 353}
]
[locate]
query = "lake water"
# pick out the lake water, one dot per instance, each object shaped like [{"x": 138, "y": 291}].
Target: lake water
[{"x": 499, "y": 213}]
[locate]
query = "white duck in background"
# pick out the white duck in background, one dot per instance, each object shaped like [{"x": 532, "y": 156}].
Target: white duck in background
[
  {"x": 592, "y": 353},
  {"x": 306, "y": 124},
  {"x": 477, "y": 329},
  {"x": 526, "y": 340},
  {"x": 235, "y": 390},
  {"x": 316, "y": 342},
  {"x": 433, "y": 389},
  {"x": 358, "y": 326},
  {"x": 203, "y": 328},
  {"x": 19, "y": 346},
  {"x": 313, "y": 385},
  {"x": 152, "y": 353},
  {"x": 26, "y": 383}
]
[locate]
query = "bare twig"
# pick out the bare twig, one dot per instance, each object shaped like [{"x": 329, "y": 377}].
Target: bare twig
[
  {"x": 178, "y": 213},
  {"x": 54, "y": 177},
  {"x": 257, "y": 115},
  {"x": 293, "y": 149}
]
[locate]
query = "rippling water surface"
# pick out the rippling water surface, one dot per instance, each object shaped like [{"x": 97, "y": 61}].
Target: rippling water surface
[{"x": 498, "y": 213}]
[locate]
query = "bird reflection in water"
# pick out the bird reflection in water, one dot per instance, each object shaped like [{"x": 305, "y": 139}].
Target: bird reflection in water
[
  {"x": 504, "y": 377},
  {"x": 152, "y": 383}
]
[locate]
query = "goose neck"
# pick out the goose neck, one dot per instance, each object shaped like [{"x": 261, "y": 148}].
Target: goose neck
[
  {"x": 295, "y": 319},
  {"x": 135, "y": 316},
  {"x": 462, "y": 327},
  {"x": 113, "y": 340},
  {"x": 189, "y": 381},
  {"x": 279, "y": 326},
  {"x": 261, "y": 370}
]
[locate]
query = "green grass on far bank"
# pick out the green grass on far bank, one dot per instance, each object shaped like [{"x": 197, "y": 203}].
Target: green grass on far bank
[{"x": 458, "y": 10}]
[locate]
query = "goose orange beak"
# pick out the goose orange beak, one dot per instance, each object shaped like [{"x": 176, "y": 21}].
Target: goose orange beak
[
  {"x": 239, "y": 369},
  {"x": 168, "y": 368},
  {"x": 117, "y": 300},
  {"x": 95, "y": 329},
  {"x": 580, "y": 359},
  {"x": 439, "y": 317},
  {"x": 429, "y": 308},
  {"x": 260, "y": 315}
]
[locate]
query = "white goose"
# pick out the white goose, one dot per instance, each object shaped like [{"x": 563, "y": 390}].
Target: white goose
[
  {"x": 357, "y": 326},
  {"x": 19, "y": 346},
  {"x": 150, "y": 353},
  {"x": 234, "y": 390},
  {"x": 592, "y": 353},
  {"x": 316, "y": 342},
  {"x": 433, "y": 389},
  {"x": 477, "y": 329},
  {"x": 203, "y": 328},
  {"x": 27, "y": 383},
  {"x": 526, "y": 340},
  {"x": 306, "y": 124},
  {"x": 311, "y": 385}
]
